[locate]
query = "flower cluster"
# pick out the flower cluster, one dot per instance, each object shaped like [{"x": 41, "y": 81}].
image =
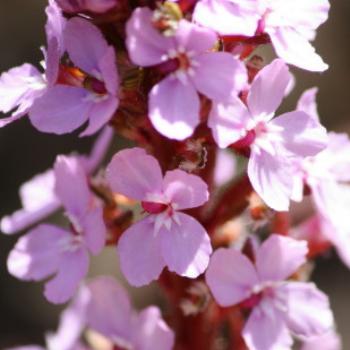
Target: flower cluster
[{"x": 201, "y": 202}]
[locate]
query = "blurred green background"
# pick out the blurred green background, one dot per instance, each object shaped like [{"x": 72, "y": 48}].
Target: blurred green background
[{"x": 24, "y": 314}]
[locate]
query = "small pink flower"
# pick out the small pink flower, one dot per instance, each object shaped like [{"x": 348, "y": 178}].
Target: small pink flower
[
  {"x": 174, "y": 102},
  {"x": 167, "y": 236},
  {"x": 78, "y": 99},
  {"x": 21, "y": 86},
  {"x": 274, "y": 143},
  {"x": 290, "y": 24},
  {"x": 38, "y": 196},
  {"x": 109, "y": 312},
  {"x": 278, "y": 307},
  {"x": 48, "y": 250}
]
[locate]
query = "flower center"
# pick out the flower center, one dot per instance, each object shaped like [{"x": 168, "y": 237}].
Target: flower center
[{"x": 154, "y": 208}]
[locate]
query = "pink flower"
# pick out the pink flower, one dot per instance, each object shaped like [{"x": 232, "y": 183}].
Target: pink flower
[
  {"x": 21, "y": 86},
  {"x": 80, "y": 97},
  {"x": 49, "y": 250},
  {"x": 97, "y": 6},
  {"x": 110, "y": 313},
  {"x": 167, "y": 236},
  {"x": 327, "y": 175},
  {"x": 174, "y": 102},
  {"x": 290, "y": 24},
  {"x": 274, "y": 143},
  {"x": 38, "y": 196},
  {"x": 278, "y": 307}
]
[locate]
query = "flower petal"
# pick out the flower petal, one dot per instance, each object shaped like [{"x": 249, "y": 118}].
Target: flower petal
[
  {"x": 73, "y": 267},
  {"x": 174, "y": 108},
  {"x": 71, "y": 186},
  {"x": 307, "y": 103},
  {"x": 229, "y": 73},
  {"x": 106, "y": 316},
  {"x": 186, "y": 246},
  {"x": 266, "y": 331},
  {"x": 271, "y": 178},
  {"x": 230, "y": 276},
  {"x": 268, "y": 89},
  {"x": 194, "y": 38},
  {"x": 279, "y": 257},
  {"x": 185, "y": 190},
  {"x": 61, "y": 110},
  {"x": 309, "y": 312},
  {"x": 85, "y": 53},
  {"x": 37, "y": 254},
  {"x": 134, "y": 173},
  {"x": 152, "y": 332},
  {"x": 38, "y": 200},
  {"x": 301, "y": 134},
  {"x": 20, "y": 86},
  {"x": 146, "y": 46},
  {"x": 94, "y": 229},
  {"x": 140, "y": 253},
  {"x": 228, "y": 122},
  {"x": 296, "y": 50},
  {"x": 228, "y": 17},
  {"x": 100, "y": 114}
]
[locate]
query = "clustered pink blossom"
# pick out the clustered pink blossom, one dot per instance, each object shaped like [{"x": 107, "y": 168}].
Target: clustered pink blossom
[{"x": 201, "y": 201}]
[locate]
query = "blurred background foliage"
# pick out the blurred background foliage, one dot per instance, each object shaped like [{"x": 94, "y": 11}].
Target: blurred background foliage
[{"x": 24, "y": 313}]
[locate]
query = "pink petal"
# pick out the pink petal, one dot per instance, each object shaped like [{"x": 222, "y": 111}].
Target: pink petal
[
  {"x": 152, "y": 332},
  {"x": 20, "y": 86},
  {"x": 307, "y": 103},
  {"x": 174, "y": 108},
  {"x": 105, "y": 315},
  {"x": 268, "y": 89},
  {"x": 71, "y": 186},
  {"x": 328, "y": 341},
  {"x": 108, "y": 68},
  {"x": 279, "y": 257},
  {"x": 309, "y": 312},
  {"x": 71, "y": 325},
  {"x": 100, "y": 6},
  {"x": 266, "y": 330},
  {"x": 140, "y": 253},
  {"x": 271, "y": 178},
  {"x": 100, "y": 114},
  {"x": 73, "y": 267},
  {"x": 225, "y": 167},
  {"x": 85, "y": 54},
  {"x": 228, "y": 17},
  {"x": 229, "y": 72},
  {"x": 185, "y": 190},
  {"x": 302, "y": 135},
  {"x": 37, "y": 254},
  {"x": 61, "y": 110},
  {"x": 296, "y": 50},
  {"x": 230, "y": 276},
  {"x": 146, "y": 46},
  {"x": 99, "y": 149},
  {"x": 94, "y": 229},
  {"x": 305, "y": 16},
  {"x": 134, "y": 173},
  {"x": 228, "y": 122},
  {"x": 194, "y": 38},
  {"x": 55, "y": 25},
  {"x": 186, "y": 246},
  {"x": 38, "y": 200}
]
